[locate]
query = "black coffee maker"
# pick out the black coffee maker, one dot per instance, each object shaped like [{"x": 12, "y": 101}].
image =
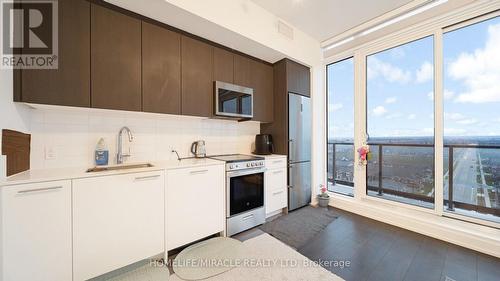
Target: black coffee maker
[{"x": 264, "y": 144}]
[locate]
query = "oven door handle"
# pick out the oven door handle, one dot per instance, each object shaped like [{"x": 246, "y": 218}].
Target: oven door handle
[{"x": 246, "y": 172}]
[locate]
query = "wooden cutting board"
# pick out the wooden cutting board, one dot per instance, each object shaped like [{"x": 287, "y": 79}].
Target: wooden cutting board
[{"x": 16, "y": 146}]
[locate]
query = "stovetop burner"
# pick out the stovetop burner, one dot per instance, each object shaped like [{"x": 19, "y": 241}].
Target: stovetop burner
[
  {"x": 240, "y": 161},
  {"x": 232, "y": 158}
]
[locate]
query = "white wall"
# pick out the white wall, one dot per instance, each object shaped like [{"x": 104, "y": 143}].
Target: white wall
[
  {"x": 72, "y": 134},
  {"x": 12, "y": 116}
]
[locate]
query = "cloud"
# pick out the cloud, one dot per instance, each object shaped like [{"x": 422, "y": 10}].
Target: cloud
[
  {"x": 412, "y": 117},
  {"x": 479, "y": 71},
  {"x": 454, "y": 131},
  {"x": 447, "y": 95},
  {"x": 425, "y": 72},
  {"x": 460, "y": 118},
  {"x": 388, "y": 71},
  {"x": 393, "y": 116},
  {"x": 391, "y": 100},
  {"x": 333, "y": 107},
  {"x": 379, "y": 111},
  {"x": 453, "y": 116},
  {"x": 470, "y": 121}
]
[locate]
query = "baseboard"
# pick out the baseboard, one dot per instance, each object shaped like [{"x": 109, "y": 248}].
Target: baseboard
[{"x": 476, "y": 237}]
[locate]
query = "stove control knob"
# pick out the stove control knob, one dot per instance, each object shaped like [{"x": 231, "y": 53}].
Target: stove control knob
[
  {"x": 253, "y": 164},
  {"x": 248, "y": 164},
  {"x": 231, "y": 167},
  {"x": 261, "y": 163}
]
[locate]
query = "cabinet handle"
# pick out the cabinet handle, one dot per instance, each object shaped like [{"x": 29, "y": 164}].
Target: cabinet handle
[
  {"x": 39, "y": 189},
  {"x": 247, "y": 217},
  {"x": 147, "y": 178},
  {"x": 198, "y": 172},
  {"x": 278, "y": 192},
  {"x": 278, "y": 172}
]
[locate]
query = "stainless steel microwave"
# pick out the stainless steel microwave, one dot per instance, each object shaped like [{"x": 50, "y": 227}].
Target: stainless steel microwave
[{"x": 233, "y": 100}]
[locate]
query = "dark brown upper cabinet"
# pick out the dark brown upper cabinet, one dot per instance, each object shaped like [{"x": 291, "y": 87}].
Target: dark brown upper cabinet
[
  {"x": 298, "y": 78},
  {"x": 68, "y": 85},
  {"x": 263, "y": 92},
  {"x": 161, "y": 70},
  {"x": 197, "y": 77},
  {"x": 223, "y": 65},
  {"x": 258, "y": 76},
  {"x": 243, "y": 71},
  {"x": 116, "y": 60}
]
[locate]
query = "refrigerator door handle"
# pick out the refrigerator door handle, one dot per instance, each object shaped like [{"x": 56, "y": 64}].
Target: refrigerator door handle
[{"x": 290, "y": 143}]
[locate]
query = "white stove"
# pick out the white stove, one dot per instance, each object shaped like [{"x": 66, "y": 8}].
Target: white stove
[{"x": 245, "y": 191}]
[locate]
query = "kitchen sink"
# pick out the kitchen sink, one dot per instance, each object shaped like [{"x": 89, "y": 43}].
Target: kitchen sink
[{"x": 119, "y": 167}]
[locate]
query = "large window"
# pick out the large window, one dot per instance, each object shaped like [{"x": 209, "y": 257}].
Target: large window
[
  {"x": 400, "y": 123},
  {"x": 472, "y": 120},
  {"x": 340, "y": 83}
]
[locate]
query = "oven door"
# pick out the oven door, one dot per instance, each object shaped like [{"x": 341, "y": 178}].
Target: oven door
[
  {"x": 245, "y": 191},
  {"x": 233, "y": 100}
]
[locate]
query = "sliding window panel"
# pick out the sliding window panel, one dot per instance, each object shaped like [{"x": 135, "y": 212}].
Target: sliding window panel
[
  {"x": 472, "y": 120},
  {"x": 400, "y": 123},
  {"x": 340, "y": 83}
]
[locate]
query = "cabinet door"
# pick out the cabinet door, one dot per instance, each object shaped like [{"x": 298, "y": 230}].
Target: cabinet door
[
  {"x": 223, "y": 65},
  {"x": 69, "y": 84},
  {"x": 194, "y": 204},
  {"x": 197, "y": 78},
  {"x": 116, "y": 60},
  {"x": 243, "y": 71},
  {"x": 263, "y": 92},
  {"x": 117, "y": 221},
  {"x": 36, "y": 241},
  {"x": 276, "y": 190},
  {"x": 161, "y": 70},
  {"x": 298, "y": 78}
]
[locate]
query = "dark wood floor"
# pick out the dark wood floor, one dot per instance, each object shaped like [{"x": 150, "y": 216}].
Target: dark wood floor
[{"x": 379, "y": 251}]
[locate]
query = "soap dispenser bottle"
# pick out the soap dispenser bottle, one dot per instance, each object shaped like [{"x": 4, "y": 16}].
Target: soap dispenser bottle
[{"x": 101, "y": 153}]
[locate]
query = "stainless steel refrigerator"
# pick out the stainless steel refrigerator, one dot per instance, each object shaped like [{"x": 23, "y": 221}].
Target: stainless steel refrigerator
[{"x": 299, "y": 151}]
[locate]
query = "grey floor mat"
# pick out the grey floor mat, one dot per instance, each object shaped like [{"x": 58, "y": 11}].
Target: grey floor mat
[{"x": 299, "y": 226}]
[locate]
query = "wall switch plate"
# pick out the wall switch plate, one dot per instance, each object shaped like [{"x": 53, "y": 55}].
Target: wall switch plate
[{"x": 50, "y": 153}]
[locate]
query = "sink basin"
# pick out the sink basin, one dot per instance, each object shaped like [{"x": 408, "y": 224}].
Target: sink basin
[{"x": 119, "y": 167}]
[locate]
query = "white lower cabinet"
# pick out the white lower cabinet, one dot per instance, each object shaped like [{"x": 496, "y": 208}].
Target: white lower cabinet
[
  {"x": 36, "y": 232},
  {"x": 117, "y": 220},
  {"x": 194, "y": 204},
  {"x": 275, "y": 185}
]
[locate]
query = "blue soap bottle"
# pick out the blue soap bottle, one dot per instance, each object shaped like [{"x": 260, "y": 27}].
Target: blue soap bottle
[{"x": 101, "y": 153}]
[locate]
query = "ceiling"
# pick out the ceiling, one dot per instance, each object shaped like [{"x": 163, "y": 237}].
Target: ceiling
[{"x": 323, "y": 19}]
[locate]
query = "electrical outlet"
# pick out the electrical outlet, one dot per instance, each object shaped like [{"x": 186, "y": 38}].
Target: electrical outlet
[{"x": 50, "y": 153}]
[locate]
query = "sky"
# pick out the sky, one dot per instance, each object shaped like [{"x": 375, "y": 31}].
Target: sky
[{"x": 400, "y": 83}]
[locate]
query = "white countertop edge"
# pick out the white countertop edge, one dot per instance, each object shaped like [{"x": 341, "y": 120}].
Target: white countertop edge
[
  {"x": 58, "y": 174},
  {"x": 271, "y": 156}
]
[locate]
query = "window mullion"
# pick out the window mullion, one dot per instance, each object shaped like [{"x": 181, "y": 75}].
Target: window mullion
[{"x": 438, "y": 122}]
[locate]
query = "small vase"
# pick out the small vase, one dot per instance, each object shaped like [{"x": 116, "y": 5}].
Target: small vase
[{"x": 323, "y": 201}]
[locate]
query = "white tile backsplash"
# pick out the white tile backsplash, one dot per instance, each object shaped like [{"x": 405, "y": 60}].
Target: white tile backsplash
[{"x": 71, "y": 136}]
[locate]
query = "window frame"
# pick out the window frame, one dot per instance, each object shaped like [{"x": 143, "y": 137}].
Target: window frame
[
  {"x": 436, "y": 27},
  {"x": 342, "y": 58}
]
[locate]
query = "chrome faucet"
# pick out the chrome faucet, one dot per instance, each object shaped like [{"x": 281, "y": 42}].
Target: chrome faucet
[{"x": 120, "y": 156}]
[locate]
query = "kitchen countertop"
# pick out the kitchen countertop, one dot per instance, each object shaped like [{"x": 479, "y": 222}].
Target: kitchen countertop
[
  {"x": 44, "y": 175},
  {"x": 271, "y": 156}
]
